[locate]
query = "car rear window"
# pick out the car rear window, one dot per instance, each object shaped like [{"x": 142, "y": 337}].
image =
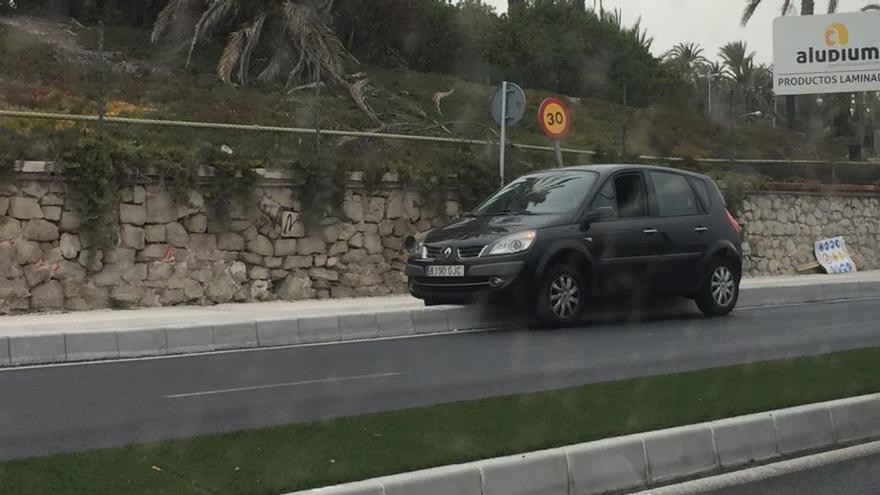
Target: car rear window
[{"x": 675, "y": 197}]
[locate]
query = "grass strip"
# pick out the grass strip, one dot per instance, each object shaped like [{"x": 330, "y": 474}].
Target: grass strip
[{"x": 299, "y": 456}]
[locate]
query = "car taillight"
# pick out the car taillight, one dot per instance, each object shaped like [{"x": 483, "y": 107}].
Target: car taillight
[{"x": 733, "y": 222}]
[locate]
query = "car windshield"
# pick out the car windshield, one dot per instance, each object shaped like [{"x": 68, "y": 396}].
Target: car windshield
[{"x": 540, "y": 194}]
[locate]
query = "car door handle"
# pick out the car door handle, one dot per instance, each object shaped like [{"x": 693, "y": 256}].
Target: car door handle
[
  {"x": 651, "y": 231},
  {"x": 701, "y": 229}
]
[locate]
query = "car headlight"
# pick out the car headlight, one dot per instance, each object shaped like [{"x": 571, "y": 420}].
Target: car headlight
[
  {"x": 514, "y": 243},
  {"x": 419, "y": 250}
]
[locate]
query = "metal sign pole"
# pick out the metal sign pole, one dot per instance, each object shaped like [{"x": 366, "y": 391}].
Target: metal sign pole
[
  {"x": 558, "y": 147},
  {"x": 503, "y": 130}
]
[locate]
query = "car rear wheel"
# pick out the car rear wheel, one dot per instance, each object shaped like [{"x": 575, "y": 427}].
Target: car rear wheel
[
  {"x": 562, "y": 296},
  {"x": 720, "y": 290}
]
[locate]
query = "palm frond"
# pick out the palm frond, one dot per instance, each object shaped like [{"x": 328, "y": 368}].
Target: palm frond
[
  {"x": 786, "y": 7},
  {"x": 231, "y": 55},
  {"x": 165, "y": 18},
  {"x": 280, "y": 59},
  {"x": 216, "y": 11},
  {"x": 253, "y": 33},
  {"x": 751, "y": 7},
  {"x": 873, "y": 6}
]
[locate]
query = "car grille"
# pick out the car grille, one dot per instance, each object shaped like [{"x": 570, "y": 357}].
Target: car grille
[
  {"x": 434, "y": 252},
  {"x": 467, "y": 252},
  {"x": 470, "y": 252},
  {"x": 453, "y": 284}
]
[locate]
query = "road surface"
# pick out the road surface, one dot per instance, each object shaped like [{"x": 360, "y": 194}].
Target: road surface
[{"x": 65, "y": 408}]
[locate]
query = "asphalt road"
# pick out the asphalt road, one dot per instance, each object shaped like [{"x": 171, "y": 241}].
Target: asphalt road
[
  {"x": 74, "y": 407},
  {"x": 860, "y": 476}
]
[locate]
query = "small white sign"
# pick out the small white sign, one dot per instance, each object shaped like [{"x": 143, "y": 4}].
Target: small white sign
[
  {"x": 838, "y": 53},
  {"x": 834, "y": 257}
]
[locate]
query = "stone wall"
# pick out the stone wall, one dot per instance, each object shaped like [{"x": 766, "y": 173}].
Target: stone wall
[
  {"x": 171, "y": 253},
  {"x": 780, "y": 229}
]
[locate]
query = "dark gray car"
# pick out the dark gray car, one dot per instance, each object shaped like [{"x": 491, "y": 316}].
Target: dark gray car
[{"x": 557, "y": 239}]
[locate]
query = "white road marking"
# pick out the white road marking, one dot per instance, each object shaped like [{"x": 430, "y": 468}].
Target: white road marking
[{"x": 282, "y": 385}]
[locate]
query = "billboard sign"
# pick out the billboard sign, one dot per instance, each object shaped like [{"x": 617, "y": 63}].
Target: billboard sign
[{"x": 838, "y": 53}]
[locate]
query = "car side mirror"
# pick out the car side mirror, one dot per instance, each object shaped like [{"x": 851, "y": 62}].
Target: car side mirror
[{"x": 596, "y": 215}]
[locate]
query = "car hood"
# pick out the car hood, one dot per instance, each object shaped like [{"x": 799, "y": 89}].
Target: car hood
[{"x": 482, "y": 230}]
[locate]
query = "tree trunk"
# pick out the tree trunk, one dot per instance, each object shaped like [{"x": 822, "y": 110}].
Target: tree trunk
[{"x": 808, "y": 7}]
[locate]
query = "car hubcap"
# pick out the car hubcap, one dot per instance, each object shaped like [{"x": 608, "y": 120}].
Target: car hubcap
[
  {"x": 564, "y": 296},
  {"x": 723, "y": 286}
]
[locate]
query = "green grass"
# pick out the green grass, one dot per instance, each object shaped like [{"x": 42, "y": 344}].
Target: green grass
[{"x": 275, "y": 460}]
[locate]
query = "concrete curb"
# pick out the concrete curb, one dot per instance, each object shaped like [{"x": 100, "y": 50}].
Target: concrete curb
[
  {"x": 643, "y": 460},
  {"x": 47, "y": 348}
]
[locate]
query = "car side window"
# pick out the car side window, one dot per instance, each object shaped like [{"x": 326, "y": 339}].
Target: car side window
[
  {"x": 632, "y": 201},
  {"x": 606, "y": 198},
  {"x": 702, "y": 189},
  {"x": 675, "y": 197}
]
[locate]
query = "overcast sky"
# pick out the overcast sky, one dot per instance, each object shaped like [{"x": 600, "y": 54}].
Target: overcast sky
[{"x": 711, "y": 23}]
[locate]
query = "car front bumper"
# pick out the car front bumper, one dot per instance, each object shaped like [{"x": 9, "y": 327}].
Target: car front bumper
[{"x": 482, "y": 278}]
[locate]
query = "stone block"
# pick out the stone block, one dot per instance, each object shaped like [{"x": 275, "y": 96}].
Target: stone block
[
  {"x": 311, "y": 245},
  {"x": 278, "y": 332},
  {"x": 10, "y": 228},
  {"x": 91, "y": 345},
  {"x": 161, "y": 208},
  {"x": 679, "y": 452},
  {"x": 373, "y": 244},
  {"x": 319, "y": 329},
  {"x": 27, "y": 252},
  {"x": 69, "y": 245},
  {"x": 803, "y": 428},
  {"x": 458, "y": 480},
  {"x": 41, "y": 230},
  {"x": 132, "y": 237},
  {"x": 538, "y": 472},
  {"x": 136, "y": 343},
  {"x": 24, "y": 208},
  {"x": 394, "y": 323},
  {"x": 197, "y": 224},
  {"x": 4, "y": 207},
  {"x": 155, "y": 233},
  {"x": 353, "y": 208},
  {"x": 182, "y": 340},
  {"x": 176, "y": 235},
  {"x": 70, "y": 221},
  {"x": 130, "y": 214},
  {"x": 36, "y": 349},
  {"x": 261, "y": 245},
  {"x": 230, "y": 241},
  {"x": 294, "y": 262},
  {"x": 374, "y": 210},
  {"x": 744, "y": 440},
  {"x": 358, "y": 326},
  {"x": 857, "y": 418},
  {"x": 430, "y": 320},
  {"x": 52, "y": 213},
  {"x": 611, "y": 465},
  {"x": 285, "y": 247},
  {"x": 48, "y": 296},
  {"x": 235, "y": 335},
  {"x": 120, "y": 256}
]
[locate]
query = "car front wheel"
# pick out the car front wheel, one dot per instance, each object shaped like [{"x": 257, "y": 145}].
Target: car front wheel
[
  {"x": 562, "y": 296},
  {"x": 720, "y": 290}
]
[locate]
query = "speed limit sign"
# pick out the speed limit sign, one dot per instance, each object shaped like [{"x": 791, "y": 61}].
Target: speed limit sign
[{"x": 554, "y": 118}]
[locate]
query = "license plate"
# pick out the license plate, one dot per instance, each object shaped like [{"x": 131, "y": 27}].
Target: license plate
[{"x": 446, "y": 271}]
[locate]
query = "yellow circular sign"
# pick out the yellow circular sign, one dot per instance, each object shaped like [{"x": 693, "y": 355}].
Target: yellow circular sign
[{"x": 554, "y": 118}]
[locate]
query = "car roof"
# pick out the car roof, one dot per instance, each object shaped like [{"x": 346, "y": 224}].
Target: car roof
[{"x": 609, "y": 169}]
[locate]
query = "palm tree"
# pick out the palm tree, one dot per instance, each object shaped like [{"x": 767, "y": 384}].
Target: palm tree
[
  {"x": 615, "y": 18},
  {"x": 738, "y": 59},
  {"x": 295, "y": 35},
  {"x": 808, "y": 7},
  {"x": 687, "y": 59}
]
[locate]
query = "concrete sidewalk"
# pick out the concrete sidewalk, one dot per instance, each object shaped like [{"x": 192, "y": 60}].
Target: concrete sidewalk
[{"x": 109, "y": 334}]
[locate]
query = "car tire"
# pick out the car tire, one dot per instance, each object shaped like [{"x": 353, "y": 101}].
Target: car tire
[
  {"x": 720, "y": 290},
  {"x": 562, "y": 296},
  {"x": 434, "y": 302}
]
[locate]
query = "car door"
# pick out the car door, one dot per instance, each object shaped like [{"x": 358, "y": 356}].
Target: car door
[
  {"x": 683, "y": 224},
  {"x": 626, "y": 246}
]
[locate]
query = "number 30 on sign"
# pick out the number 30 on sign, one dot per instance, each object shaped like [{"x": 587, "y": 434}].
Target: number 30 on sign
[{"x": 554, "y": 118}]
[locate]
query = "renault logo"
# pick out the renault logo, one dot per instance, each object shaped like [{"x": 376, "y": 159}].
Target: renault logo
[{"x": 447, "y": 253}]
